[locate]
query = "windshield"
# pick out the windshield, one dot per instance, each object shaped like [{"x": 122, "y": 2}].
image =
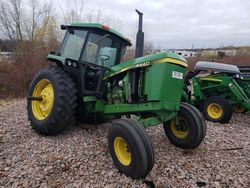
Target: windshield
[
  {"x": 72, "y": 44},
  {"x": 100, "y": 50}
]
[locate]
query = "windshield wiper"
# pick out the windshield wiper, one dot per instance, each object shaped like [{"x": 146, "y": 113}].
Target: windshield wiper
[{"x": 101, "y": 38}]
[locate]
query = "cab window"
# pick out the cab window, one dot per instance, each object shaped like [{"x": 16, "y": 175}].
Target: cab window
[
  {"x": 73, "y": 43},
  {"x": 100, "y": 50}
]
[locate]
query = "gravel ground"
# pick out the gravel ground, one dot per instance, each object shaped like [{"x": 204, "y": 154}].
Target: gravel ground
[{"x": 79, "y": 157}]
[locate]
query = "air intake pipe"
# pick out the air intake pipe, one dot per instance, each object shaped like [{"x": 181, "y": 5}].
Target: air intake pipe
[{"x": 139, "y": 37}]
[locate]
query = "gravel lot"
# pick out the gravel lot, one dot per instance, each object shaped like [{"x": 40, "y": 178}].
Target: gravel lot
[{"x": 79, "y": 157}]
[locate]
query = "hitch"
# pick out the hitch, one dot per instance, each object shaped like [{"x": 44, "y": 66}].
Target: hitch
[{"x": 34, "y": 98}]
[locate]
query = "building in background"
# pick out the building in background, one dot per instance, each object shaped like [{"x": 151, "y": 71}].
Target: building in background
[
  {"x": 186, "y": 53},
  {"x": 6, "y": 56}
]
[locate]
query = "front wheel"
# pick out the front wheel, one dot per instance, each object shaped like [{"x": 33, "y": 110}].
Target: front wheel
[
  {"x": 188, "y": 129},
  {"x": 130, "y": 148}
]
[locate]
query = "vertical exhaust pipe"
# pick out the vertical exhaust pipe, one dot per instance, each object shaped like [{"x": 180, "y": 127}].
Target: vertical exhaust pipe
[{"x": 139, "y": 37}]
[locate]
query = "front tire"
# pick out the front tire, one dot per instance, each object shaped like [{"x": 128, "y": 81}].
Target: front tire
[
  {"x": 56, "y": 110},
  {"x": 130, "y": 148},
  {"x": 188, "y": 129}
]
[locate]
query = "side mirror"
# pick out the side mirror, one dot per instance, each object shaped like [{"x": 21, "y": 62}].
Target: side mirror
[{"x": 63, "y": 27}]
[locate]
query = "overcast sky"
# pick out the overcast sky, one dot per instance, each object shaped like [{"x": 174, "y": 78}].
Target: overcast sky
[{"x": 183, "y": 23}]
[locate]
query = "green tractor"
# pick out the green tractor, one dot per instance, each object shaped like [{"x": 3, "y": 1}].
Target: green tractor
[
  {"x": 91, "y": 83},
  {"x": 218, "y": 89},
  {"x": 245, "y": 78}
]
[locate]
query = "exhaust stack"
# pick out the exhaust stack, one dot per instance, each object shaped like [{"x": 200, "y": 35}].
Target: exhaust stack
[{"x": 139, "y": 37}]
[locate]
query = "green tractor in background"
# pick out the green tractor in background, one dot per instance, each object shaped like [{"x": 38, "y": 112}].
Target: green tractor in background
[
  {"x": 218, "y": 89},
  {"x": 91, "y": 83},
  {"x": 245, "y": 78}
]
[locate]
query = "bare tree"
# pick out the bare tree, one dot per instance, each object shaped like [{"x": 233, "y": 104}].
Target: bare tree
[
  {"x": 76, "y": 11},
  {"x": 34, "y": 21},
  {"x": 19, "y": 26},
  {"x": 148, "y": 47},
  {"x": 5, "y": 21},
  {"x": 101, "y": 16},
  {"x": 72, "y": 11},
  {"x": 10, "y": 17},
  {"x": 15, "y": 12},
  {"x": 39, "y": 18}
]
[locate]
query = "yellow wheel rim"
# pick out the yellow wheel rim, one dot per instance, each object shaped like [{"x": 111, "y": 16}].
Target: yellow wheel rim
[
  {"x": 238, "y": 109},
  {"x": 122, "y": 151},
  {"x": 179, "y": 127},
  {"x": 214, "y": 110},
  {"x": 42, "y": 109}
]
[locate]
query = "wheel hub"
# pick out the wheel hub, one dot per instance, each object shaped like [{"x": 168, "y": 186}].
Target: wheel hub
[
  {"x": 179, "y": 127},
  {"x": 122, "y": 151},
  {"x": 41, "y": 109},
  {"x": 214, "y": 110}
]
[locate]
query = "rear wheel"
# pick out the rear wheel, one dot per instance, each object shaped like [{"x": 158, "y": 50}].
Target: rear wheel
[
  {"x": 55, "y": 108},
  {"x": 188, "y": 129},
  {"x": 217, "y": 109},
  {"x": 130, "y": 148}
]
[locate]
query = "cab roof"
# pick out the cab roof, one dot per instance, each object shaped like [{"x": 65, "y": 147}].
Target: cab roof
[
  {"x": 102, "y": 28},
  {"x": 218, "y": 67}
]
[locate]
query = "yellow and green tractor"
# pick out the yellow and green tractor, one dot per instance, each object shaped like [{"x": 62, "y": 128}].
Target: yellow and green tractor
[
  {"x": 91, "y": 83},
  {"x": 218, "y": 90}
]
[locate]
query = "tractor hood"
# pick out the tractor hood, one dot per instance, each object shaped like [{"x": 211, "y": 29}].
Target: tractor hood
[{"x": 145, "y": 61}]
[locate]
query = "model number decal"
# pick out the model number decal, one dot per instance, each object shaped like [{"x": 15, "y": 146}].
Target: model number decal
[
  {"x": 145, "y": 64},
  {"x": 178, "y": 75}
]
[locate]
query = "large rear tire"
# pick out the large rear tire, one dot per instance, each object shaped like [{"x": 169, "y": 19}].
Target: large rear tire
[
  {"x": 188, "y": 129},
  {"x": 130, "y": 148},
  {"x": 56, "y": 110},
  {"x": 217, "y": 109}
]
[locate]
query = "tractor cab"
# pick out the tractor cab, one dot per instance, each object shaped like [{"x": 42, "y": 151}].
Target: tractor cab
[{"x": 88, "y": 50}]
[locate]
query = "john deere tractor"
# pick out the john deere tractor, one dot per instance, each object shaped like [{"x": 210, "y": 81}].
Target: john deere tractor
[
  {"x": 218, "y": 89},
  {"x": 245, "y": 78},
  {"x": 91, "y": 83}
]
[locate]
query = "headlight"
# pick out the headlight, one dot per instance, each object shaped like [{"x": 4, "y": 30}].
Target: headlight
[
  {"x": 121, "y": 83},
  {"x": 71, "y": 63}
]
